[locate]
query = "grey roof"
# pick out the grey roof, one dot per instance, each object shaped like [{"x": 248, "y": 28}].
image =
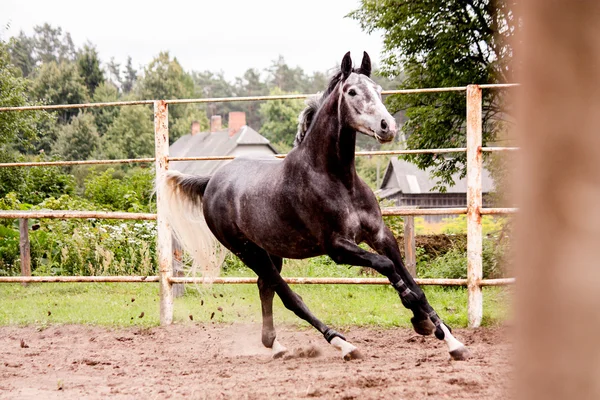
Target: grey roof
[
  {"x": 218, "y": 143},
  {"x": 403, "y": 176}
]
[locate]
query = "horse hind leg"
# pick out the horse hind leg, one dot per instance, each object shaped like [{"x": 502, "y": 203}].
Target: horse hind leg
[{"x": 267, "y": 293}]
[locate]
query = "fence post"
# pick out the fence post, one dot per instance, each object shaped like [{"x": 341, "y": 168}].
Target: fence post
[
  {"x": 24, "y": 247},
  {"x": 164, "y": 245},
  {"x": 410, "y": 257},
  {"x": 474, "y": 203}
]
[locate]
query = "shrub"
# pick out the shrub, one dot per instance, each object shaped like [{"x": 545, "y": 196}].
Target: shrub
[
  {"x": 128, "y": 193},
  {"x": 453, "y": 264}
]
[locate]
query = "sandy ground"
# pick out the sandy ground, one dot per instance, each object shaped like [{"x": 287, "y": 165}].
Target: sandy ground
[{"x": 204, "y": 361}]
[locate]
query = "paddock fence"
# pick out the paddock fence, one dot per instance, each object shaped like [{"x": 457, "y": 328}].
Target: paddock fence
[{"x": 474, "y": 210}]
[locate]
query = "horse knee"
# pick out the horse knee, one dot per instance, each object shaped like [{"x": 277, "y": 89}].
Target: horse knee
[{"x": 385, "y": 267}]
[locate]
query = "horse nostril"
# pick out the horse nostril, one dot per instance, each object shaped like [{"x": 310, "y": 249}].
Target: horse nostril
[{"x": 384, "y": 125}]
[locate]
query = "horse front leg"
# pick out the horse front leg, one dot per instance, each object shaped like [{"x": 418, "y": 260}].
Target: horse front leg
[
  {"x": 266, "y": 292},
  {"x": 389, "y": 263}
]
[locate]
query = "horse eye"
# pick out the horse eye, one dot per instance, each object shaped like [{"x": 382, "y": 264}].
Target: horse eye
[{"x": 352, "y": 92}]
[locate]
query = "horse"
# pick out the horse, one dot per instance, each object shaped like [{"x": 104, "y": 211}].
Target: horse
[{"x": 311, "y": 203}]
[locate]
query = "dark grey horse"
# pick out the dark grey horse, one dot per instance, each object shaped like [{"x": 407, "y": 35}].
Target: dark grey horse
[{"x": 309, "y": 204}]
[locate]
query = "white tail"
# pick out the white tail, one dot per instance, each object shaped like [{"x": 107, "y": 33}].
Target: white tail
[{"x": 180, "y": 197}]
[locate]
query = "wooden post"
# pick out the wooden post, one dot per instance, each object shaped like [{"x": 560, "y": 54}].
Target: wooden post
[
  {"x": 164, "y": 241},
  {"x": 410, "y": 256},
  {"x": 474, "y": 204},
  {"x": 558, "y": 235},
  {"x": 24, "y": 247}
]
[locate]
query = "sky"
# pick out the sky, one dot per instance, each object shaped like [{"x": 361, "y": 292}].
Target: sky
[{"x": 223, "y": 35}]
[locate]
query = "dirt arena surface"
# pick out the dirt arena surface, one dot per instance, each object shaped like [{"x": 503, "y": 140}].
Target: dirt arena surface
[{"x": 221, "y": 361}]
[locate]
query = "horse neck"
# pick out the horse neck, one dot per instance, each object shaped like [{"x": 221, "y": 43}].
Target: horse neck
[{"x": 330, "y": 144}]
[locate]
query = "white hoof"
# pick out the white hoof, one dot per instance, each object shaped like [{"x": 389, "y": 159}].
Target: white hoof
[
  {"x": 349, "y": 351},
  {"x": 278, "y": 349},
  {"x": 457, "y": 350}
]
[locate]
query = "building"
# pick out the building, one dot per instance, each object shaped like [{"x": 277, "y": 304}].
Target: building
[
  {"x": 408, "y": 186},
  {"x": 237, "y": 139}
]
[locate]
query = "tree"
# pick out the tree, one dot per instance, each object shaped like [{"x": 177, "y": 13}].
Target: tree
[
  {"x": 89, "y": 68},
  {"x": 130, "y": 77},
  {"x": 164, "y": 78},
  {"x": 17, "y": 129},
  {"x": 60, "y": 84},
  {"x": 104, "y": 116},
  {"x": 250, "y": 84},
  {"x": 79, "y": 139},
  {"x": 437, "y": 44},
  {"x": 114, "y": 72},
  {"x": 280, "y": 119},
  {"x": 52, "y": 45},
  {"x": 213, "y": 84},
  {"x": 131, "y": 135},
  {"x": 21, "y": 50},
  {"x": 286, "y": 78}
]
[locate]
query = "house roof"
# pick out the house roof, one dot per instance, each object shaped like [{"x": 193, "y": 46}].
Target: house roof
[
  {"x": 218, "y": 143},
  {"x": 403, "y": 176}
]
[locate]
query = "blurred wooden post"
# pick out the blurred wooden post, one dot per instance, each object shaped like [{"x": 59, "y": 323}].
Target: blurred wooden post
[
  {"x": 474, "y": 203},
  {"x": 558, "y": 225},
  {"x": 410, "y": 257},
  {"x": 164, "y": 241},
  {"x": 24, "y": 247},
  {"x": 178, "y": 288}
]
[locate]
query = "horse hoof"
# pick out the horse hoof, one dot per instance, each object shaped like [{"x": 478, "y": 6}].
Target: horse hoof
[
  {"x": 278, "y": 349},
  {"x": 423, "y": 327},
  {"x": 353, "y": 355},
  {"x": 460, "y": 354}
]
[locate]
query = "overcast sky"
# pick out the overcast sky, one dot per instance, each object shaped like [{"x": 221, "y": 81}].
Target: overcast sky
[{"x": 226, "y": 35}]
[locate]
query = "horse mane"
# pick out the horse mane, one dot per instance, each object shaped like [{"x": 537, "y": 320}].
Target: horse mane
[{"x": 314, "y": 102}]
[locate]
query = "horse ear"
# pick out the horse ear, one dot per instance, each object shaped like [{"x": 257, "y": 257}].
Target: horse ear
[
  {"x": 346, "y": 66},
  {"x": 365, "y": 66}
]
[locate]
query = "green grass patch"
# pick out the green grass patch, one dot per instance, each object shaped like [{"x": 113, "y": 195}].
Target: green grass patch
[{"x": 122, "y": 304}]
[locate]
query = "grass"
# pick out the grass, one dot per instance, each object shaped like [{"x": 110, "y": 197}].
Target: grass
[{"x": 122, "y": 304}]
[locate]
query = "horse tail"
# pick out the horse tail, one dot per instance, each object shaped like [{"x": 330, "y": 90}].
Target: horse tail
[{"x": 180, "y": 198}]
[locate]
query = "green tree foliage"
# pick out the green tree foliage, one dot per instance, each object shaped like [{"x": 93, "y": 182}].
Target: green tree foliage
[
  {"x": 17, "y": 129},
  {"x": 164, "y": 78},
  {"x": 130, "y": 77},
  {"x": 114, "y": 72},
  {"x": 437, "y": 44},
  {"x": 104, "y": 116},
  {"x": 89, "y": 68},
  {"x": 250, "y": 84},
  {"x": 22, "y": 55},
  {"x": 52, "y": 45},
  {"x": 280, "y": 119},
  {"x": 60, "y": 84},
  {"x": 41, "y": 183},
  {"x": 131, "y": 135},
  {"x": 213, "y": 84},
  {"x": 79, "y": 139}
]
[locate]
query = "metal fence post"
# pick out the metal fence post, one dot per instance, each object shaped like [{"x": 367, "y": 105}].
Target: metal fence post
[
  {"x": 474, "y": 204},
  {"x": 164, "y": 245}
]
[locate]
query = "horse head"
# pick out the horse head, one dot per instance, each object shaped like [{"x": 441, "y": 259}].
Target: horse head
[{"x": 361, "y": 104}]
